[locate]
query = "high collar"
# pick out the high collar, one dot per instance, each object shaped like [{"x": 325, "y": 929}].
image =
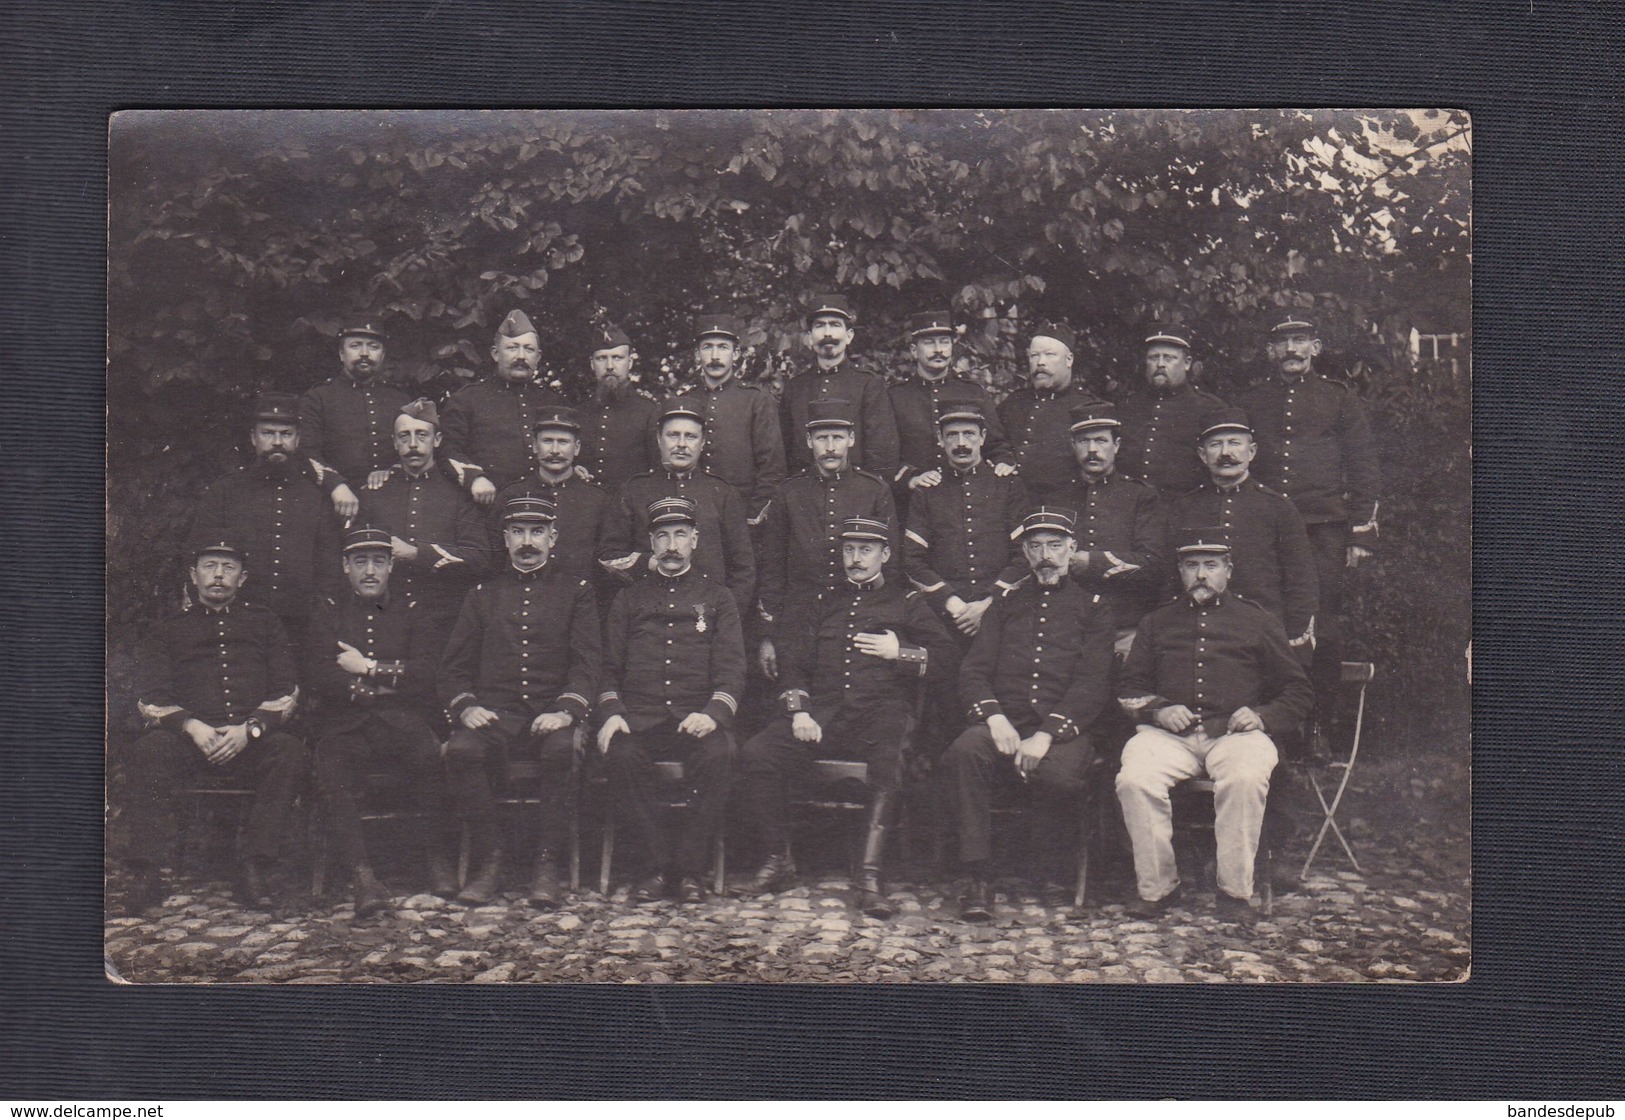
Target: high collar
[
  {"x": 942, "y": 378},
  {"x": 689, "y": 567},
  {"x": 518, "y": 386},
  {"x": 869, "y": 585},
  {"x": 1231, "y": 487},
  {"x": 1104, "y": 480},
  {"x": 1180, "y": 390},
  {"x": 406, "y": 472},
  {"x": 379, "y": 604},
  {"x": 968, "y": 471},
  {"x": 831, "y": 479},
  {"x": 705, "y": 383},
  {"x": 679, "y": 476},
  {"x": 526, "y": 577},
  {"x": 543, "y": 480},
  {"x": 1218, "y": 601}
]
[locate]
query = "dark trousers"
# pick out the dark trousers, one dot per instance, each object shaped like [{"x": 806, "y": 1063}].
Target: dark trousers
[
  {"x": 1329, "y": 539},
  {"x": 401, "y": 745},
  {"x": 165, "y": 762},
  {"x": 635, "y": 793},
  {"x": 774, "y": 761},
  {"x": 477, "y": 767},
  {"x": 973, "y": 765}
]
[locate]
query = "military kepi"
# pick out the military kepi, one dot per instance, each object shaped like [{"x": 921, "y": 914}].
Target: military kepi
[
  {"x": 1047, "y": 519},
  {"x": 1169, "y": 335},
  {"x": 684, "y": 407},
  {"x": 865, "y": 529},
  {"x": 282, "y": 408},
  {"x": 1087, "y": 416},
  {"x": 367, "y": 536},
  {"x": 558, "y": 416},
  {"x": 223, "y": 544},
  {"x": 528, "y": 507},
  {"x": 830, "y": 303},
  {"x": 366, "y": 329},
  {"x": 1211, "y": 541},
  {"x": 1060, "y": 332},
  {"x": 1293, "y": 321},
  {"x": 930, "y": 322},
  {"x": 962, "y": 408},
  {"x": 516, "y": 324},
  {"x": 716, "y": 324},
  {"x": 830, "y": 413},
  {"x": 1225, "y": 420},
  {"x": 671, "y": 511}
]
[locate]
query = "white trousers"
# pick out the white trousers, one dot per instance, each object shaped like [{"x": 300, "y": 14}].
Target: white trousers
[{"x": 1154, "y": 761}]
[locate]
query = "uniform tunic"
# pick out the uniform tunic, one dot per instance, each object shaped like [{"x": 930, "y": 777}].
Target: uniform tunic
[
  {"x": 958, "y": 540},
  {"x": 1160, "y": 431},
  {"x": 350, "y": 424},
  {"x": 917, "y": 403},
  {"x": 489, "y": 423},
  {"x": 801, "y": 537},
  {"x": 1039, "y": 424},
  {"x": 743, "y": 443},
  {"x": 673, "y": 647},
  {"x": 1315, "y": 446},
  {"x": 724, "y": 552},
  {"x": 1120, "y": 533},
  {"x": 618, "y": 438},
  {"x": 1274, "y": 565},
  {"x": 434, "y": 513},
  {"x": 876, "y": 448}
]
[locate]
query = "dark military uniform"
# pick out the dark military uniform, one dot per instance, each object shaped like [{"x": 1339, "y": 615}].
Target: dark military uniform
[
  {"x": 743, "y": 444},
  {"x": 862, "y": 703},
  {"x": 349, "y": 424},
  {"x": 223, "y": 667},
  {"x": 876, "y": 446},
  {"x": 378, "y": 721},
  {"x": 526, "y": 643},
  {"x": 1274, "y": 565},
  {"x": 1119, "y": 535},
  {"x": 489, "y": 423},
  {"x": 724, "y": 551},
  {"x": 618, "y": 438},
  {"x": 917, "y": 403},
  {"x": 1043, "y": 660},
  {"x": 590, "y": 525},
  {"x": 959, "y": 536},
  {"x": 673, "y": 648},
  {"x": 1039, "y": 426},
  {"x": 801, "y": 537},
  {"x": 1160, "y": 435},
  {"x": 285, "y": 521},
  {"x": 436, "y": 514}
]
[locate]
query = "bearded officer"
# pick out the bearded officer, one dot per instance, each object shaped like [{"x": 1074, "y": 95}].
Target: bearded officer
[
  {"x": 918, "y": 404},
  {"x": 1037, "y": 417},
  {"x": 1162, "y": 420},
  {"x": 347, "y": 421},
  {"x": 516, "y": 676},
  {"x": 674, "y": 671},
  {"x": 852, "y": 663},
  {"x": 1035, "y": 679},
  {"x": 743, "y": 443},
  {"x": 488, "y": 423},
  {"x": 618, "y": 422},
  {"x": 830, "y": 324}
]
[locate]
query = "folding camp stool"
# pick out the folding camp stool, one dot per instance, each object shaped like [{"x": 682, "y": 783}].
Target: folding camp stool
[{"x": 1360, "y": 673}]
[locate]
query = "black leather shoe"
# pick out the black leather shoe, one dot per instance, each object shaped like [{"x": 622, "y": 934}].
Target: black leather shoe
[
  {"x": 690, "y": 890},
  {"x": 1150, "y": 911},
  {"x": 777, "y": 872},
  {"x": 370, "y": 895},
  {"x": 1057, "y": 896},
  {"x": 651, "y": 889},
  {"x": 871, "y": 899},
  {"x": 442, "y": 877},
  {"x": 482, "y": 888},
  {"x": 977, "y": 904},
  {"x": 1229, "y": 908}
]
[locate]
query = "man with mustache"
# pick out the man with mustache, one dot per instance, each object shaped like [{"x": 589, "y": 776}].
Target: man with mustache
[
  {"x": 279, "y": 507},
  {"x": 1317, "y": 449},
  {"x": 588, "y": 521},
  {"x": 618, "y": 421},
  {"x": 724, "y": 551},
  {"x": 1036, "y": 416},
  {"x": 370, "y": 658},
  {"x": 345, "y": 421},
  {"x": 516, "y": 676},
  {"x": 215, "y": 684},
  {"x": 1036, "y": 677},
  {"x": 1119, "y": 535},
  {"x": 830, "y": 332},
  {"x": 918, "y": 402},
  {"x": 1162, "y": 420},
  {"x": 674, "y": 671},
  {"x": 852, "y": 662},
  {"x": 438, "y": 535},
  {"x": 1209, "y": 681},
  {"x": 743, "y": 445},
  {"x": 801, "y": 546},
  {"x": 489, "y": 422},
  {"x": 1275, "y": 564}
]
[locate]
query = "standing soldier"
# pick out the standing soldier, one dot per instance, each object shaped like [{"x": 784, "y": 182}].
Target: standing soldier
[
  {"x": 276, "y": 507},
  {"x": 918, "y": 403},
  {"x": 346, "y": 421},
  {"x": 829, "y": 334},
  {"x": 801, "y": 545},
  {"x": 1274, "y": 560},
  {"x": 724, "y": 550},
  {"x": 673, "y": 674},
  {"x": 489, "y": 422},
  {"x": 1318, "y": 451},
  {"x": 1036, "y": 677},
  {"x": 1162, "y": 421},
  {"x": 370, "y": 658},
  {"x": 743, "y": 444},
  {"x": 850, "y": 662},
  {"x": 517, "y": 673},
  {"x": 215, "y": 684},
  {"x": 1038, "y": 415},
  {"x": 618, "y": 422}
]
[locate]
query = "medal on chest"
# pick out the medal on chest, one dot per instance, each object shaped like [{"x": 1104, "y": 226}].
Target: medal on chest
[{"x": 699, "y": 621}]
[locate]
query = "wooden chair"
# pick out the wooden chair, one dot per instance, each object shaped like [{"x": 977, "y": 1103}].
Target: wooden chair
[{"x": 672, "y": 774}]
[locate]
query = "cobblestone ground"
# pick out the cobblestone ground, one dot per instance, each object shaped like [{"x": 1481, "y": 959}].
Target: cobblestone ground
[{"x": 1406, "y": 918}]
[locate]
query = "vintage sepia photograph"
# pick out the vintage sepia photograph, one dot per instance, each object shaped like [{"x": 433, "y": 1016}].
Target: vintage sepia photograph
[{"x": 789, "y": 546}]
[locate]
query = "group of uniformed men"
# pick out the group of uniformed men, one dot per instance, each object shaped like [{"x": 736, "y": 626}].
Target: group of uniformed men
[{"x": 440, "y": 591}]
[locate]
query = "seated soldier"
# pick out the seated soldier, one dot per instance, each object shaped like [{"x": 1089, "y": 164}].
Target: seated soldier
[
  {"x": 215, "y": 683},
  {"x": 516, "y": 674},
  {"x": 852, "y": 657},
  {"x": 1036, "y": 676},
  {"x": 673, "y": 673},
  {"x": 370, "y": 667}
]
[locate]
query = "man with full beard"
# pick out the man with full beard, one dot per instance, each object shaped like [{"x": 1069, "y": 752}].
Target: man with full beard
[{"x": 618, "y": 421}]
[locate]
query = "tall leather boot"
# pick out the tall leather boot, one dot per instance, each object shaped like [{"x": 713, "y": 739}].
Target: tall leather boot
[
  {"x": 370, "y": 895},
  {"x": 482, "y": 888},
  {"x": 442, "y": 875},
  {"x": 871, "y": 898}
]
